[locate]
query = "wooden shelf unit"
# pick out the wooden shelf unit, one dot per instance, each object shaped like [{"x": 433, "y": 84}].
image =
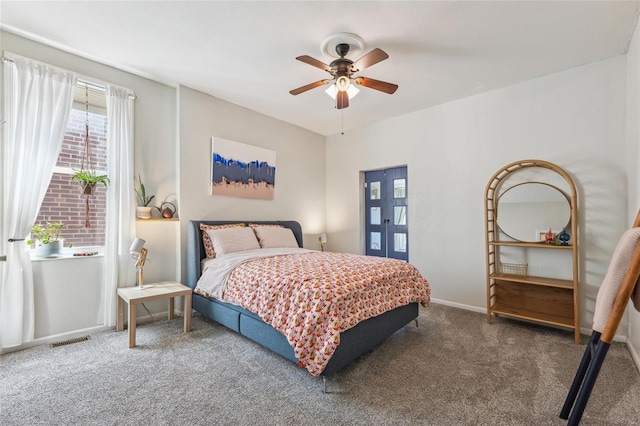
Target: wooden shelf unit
[{"x": 546, "y": 300}]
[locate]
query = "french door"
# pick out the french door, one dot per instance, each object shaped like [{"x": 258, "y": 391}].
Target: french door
[{"x": 386, "y": 226}]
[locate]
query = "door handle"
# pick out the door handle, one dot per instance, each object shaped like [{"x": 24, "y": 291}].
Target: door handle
[{"x": 3, "y": 258}]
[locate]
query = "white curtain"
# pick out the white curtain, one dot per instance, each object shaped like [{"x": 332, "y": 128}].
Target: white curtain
[
  {"x": 121, "y": 203},
  {"x": 37, "y": 104}
]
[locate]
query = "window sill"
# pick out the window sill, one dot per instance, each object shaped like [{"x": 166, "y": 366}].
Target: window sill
[{"x": 69, "y": 253}]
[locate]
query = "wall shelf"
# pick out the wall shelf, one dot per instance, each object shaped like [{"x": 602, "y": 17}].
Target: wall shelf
[
  {"x": 533, "y": 245},
  {"x": 532, "y": 280}
]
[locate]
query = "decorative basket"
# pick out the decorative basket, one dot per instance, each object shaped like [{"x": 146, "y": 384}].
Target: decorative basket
[{"x": 519, "y": 269}]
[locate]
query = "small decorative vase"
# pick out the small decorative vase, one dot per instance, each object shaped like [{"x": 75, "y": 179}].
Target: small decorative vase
[
  {"x": 564, "y": 237},
  {"x": 144, "y": 212}
]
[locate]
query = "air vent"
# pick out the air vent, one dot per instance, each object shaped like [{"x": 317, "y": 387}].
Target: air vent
[{"x": 70, "y": 341}]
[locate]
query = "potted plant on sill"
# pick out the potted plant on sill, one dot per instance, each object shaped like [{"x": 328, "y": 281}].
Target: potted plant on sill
[
  {"x": 47, "y": 239},
  {"x": 88, "y": 179},
  {"x": 144, "y": 210}
]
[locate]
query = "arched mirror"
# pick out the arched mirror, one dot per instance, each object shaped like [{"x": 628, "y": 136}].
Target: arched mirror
[
  {"x": 525, "y": 211},
  {"x": 528, "y": 276}
]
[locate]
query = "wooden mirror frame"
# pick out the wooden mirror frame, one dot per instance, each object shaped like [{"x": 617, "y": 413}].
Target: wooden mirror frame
[
  {"x": 565, "y": 196},
  {"x": 501, "y": 175},
  {"x": 536, "y": 287}
]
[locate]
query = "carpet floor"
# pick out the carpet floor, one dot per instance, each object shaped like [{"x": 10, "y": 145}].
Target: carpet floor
[{"x": 453, "y": 369}]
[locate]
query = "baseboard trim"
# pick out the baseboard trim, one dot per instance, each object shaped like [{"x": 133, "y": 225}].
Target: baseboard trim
[
  {"x": 459, "y": 305},
  {"x": 56, "y": 338},
  {"x": 634, "y": 355},
  {"x": 142, "y": 319}
]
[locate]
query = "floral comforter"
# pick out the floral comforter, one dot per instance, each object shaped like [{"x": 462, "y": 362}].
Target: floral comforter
[{"x": 311, "y": 297}]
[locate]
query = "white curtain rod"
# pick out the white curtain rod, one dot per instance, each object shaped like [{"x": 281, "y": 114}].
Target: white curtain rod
[{"x": 80, "y": 80}]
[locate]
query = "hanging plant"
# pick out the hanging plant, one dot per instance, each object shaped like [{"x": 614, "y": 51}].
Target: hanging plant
[{"x": 88, "y": 178}]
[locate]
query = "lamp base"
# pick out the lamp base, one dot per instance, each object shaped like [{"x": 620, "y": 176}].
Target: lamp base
[{"x": 144, "y": 287}]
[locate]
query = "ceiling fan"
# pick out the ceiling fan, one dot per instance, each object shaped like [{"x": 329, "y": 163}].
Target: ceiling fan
[{"x": 343, "y": 72}]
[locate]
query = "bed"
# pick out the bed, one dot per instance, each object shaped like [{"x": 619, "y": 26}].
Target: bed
[{"x": 353, "y": 341}]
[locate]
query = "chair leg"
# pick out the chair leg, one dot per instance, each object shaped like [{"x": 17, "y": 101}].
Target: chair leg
[
  {"x": 577, "y": 380},
  {"x": 589, "y": 382}
]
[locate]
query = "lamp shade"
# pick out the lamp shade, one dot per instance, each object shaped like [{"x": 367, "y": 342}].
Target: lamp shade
[
  {"x": 323, "y": 237},
  {"x": 136, "y": 246},
  {"x": 332, "y": 91}
]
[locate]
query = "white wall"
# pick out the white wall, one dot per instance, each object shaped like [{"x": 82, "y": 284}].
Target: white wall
[
  {"x": 300, "y": 166},
  {"x": 575, "y": 119},
  {"x": 68, "y": 302},
  {"x": 633, "y": 147}
]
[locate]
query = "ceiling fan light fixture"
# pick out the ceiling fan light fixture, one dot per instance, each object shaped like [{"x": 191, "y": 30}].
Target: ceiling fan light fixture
[
  {"x": 332, "y": 91},
  {"x": 343, "y": 83},
  {"x": 352, "y": 91}
]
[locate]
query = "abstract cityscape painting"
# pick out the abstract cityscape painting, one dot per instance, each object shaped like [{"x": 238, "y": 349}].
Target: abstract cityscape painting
[{"x": 241, "y": 170}]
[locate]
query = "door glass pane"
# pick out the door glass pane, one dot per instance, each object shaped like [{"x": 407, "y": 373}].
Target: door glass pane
[
  {"x": 399, "y": 215},
  {"x": 400, "y": 242},
  {"x": 399, "y": 190},
  {"x": 375, "y": 190},
  {"x": 375, "y": 216},
  {"x": 375, "y": 240}
]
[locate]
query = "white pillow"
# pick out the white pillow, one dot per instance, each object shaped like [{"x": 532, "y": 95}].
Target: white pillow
[
  {"x": 275, "y": 237},
  {"x": 231, "y": 240}
]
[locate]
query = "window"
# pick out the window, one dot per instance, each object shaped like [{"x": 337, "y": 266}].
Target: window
[{"x": 64, "y": 201}]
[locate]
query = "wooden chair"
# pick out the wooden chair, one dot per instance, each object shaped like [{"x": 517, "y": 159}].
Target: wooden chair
[{"x": 618, "y": 287}]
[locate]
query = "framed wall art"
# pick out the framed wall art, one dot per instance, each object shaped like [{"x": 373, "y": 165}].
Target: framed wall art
[{"x": 241, "y": 170}]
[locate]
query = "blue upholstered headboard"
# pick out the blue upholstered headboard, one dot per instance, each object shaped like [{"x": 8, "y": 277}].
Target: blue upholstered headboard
[{"x": 195, "y": 247}]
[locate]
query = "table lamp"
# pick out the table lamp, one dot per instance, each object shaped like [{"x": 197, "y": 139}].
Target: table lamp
[
  {"x": 323, "y": 240},
  {"x": 139, "y": 253}
]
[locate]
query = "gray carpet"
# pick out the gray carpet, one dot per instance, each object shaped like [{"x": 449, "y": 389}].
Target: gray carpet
[{"x": 454, "y": 369}]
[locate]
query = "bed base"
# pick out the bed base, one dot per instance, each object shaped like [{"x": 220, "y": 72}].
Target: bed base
[{"x": 354, "y": 342}]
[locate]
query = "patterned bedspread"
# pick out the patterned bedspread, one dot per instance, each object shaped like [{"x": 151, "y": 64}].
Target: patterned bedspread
[{"x": 312, "y": 297}]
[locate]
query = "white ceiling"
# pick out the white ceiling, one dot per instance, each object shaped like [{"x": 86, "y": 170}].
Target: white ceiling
[{"x": 244, "y": 52}]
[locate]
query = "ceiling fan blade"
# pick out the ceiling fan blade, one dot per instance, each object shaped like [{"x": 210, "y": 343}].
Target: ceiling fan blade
[
  {"x": 309, "y": 87},
  {"x": 342, "y": 99},
  {"x": 371, "y": 58},
  {"x": 314, "y": 62},
  {"x": 382, "y": 86}
]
